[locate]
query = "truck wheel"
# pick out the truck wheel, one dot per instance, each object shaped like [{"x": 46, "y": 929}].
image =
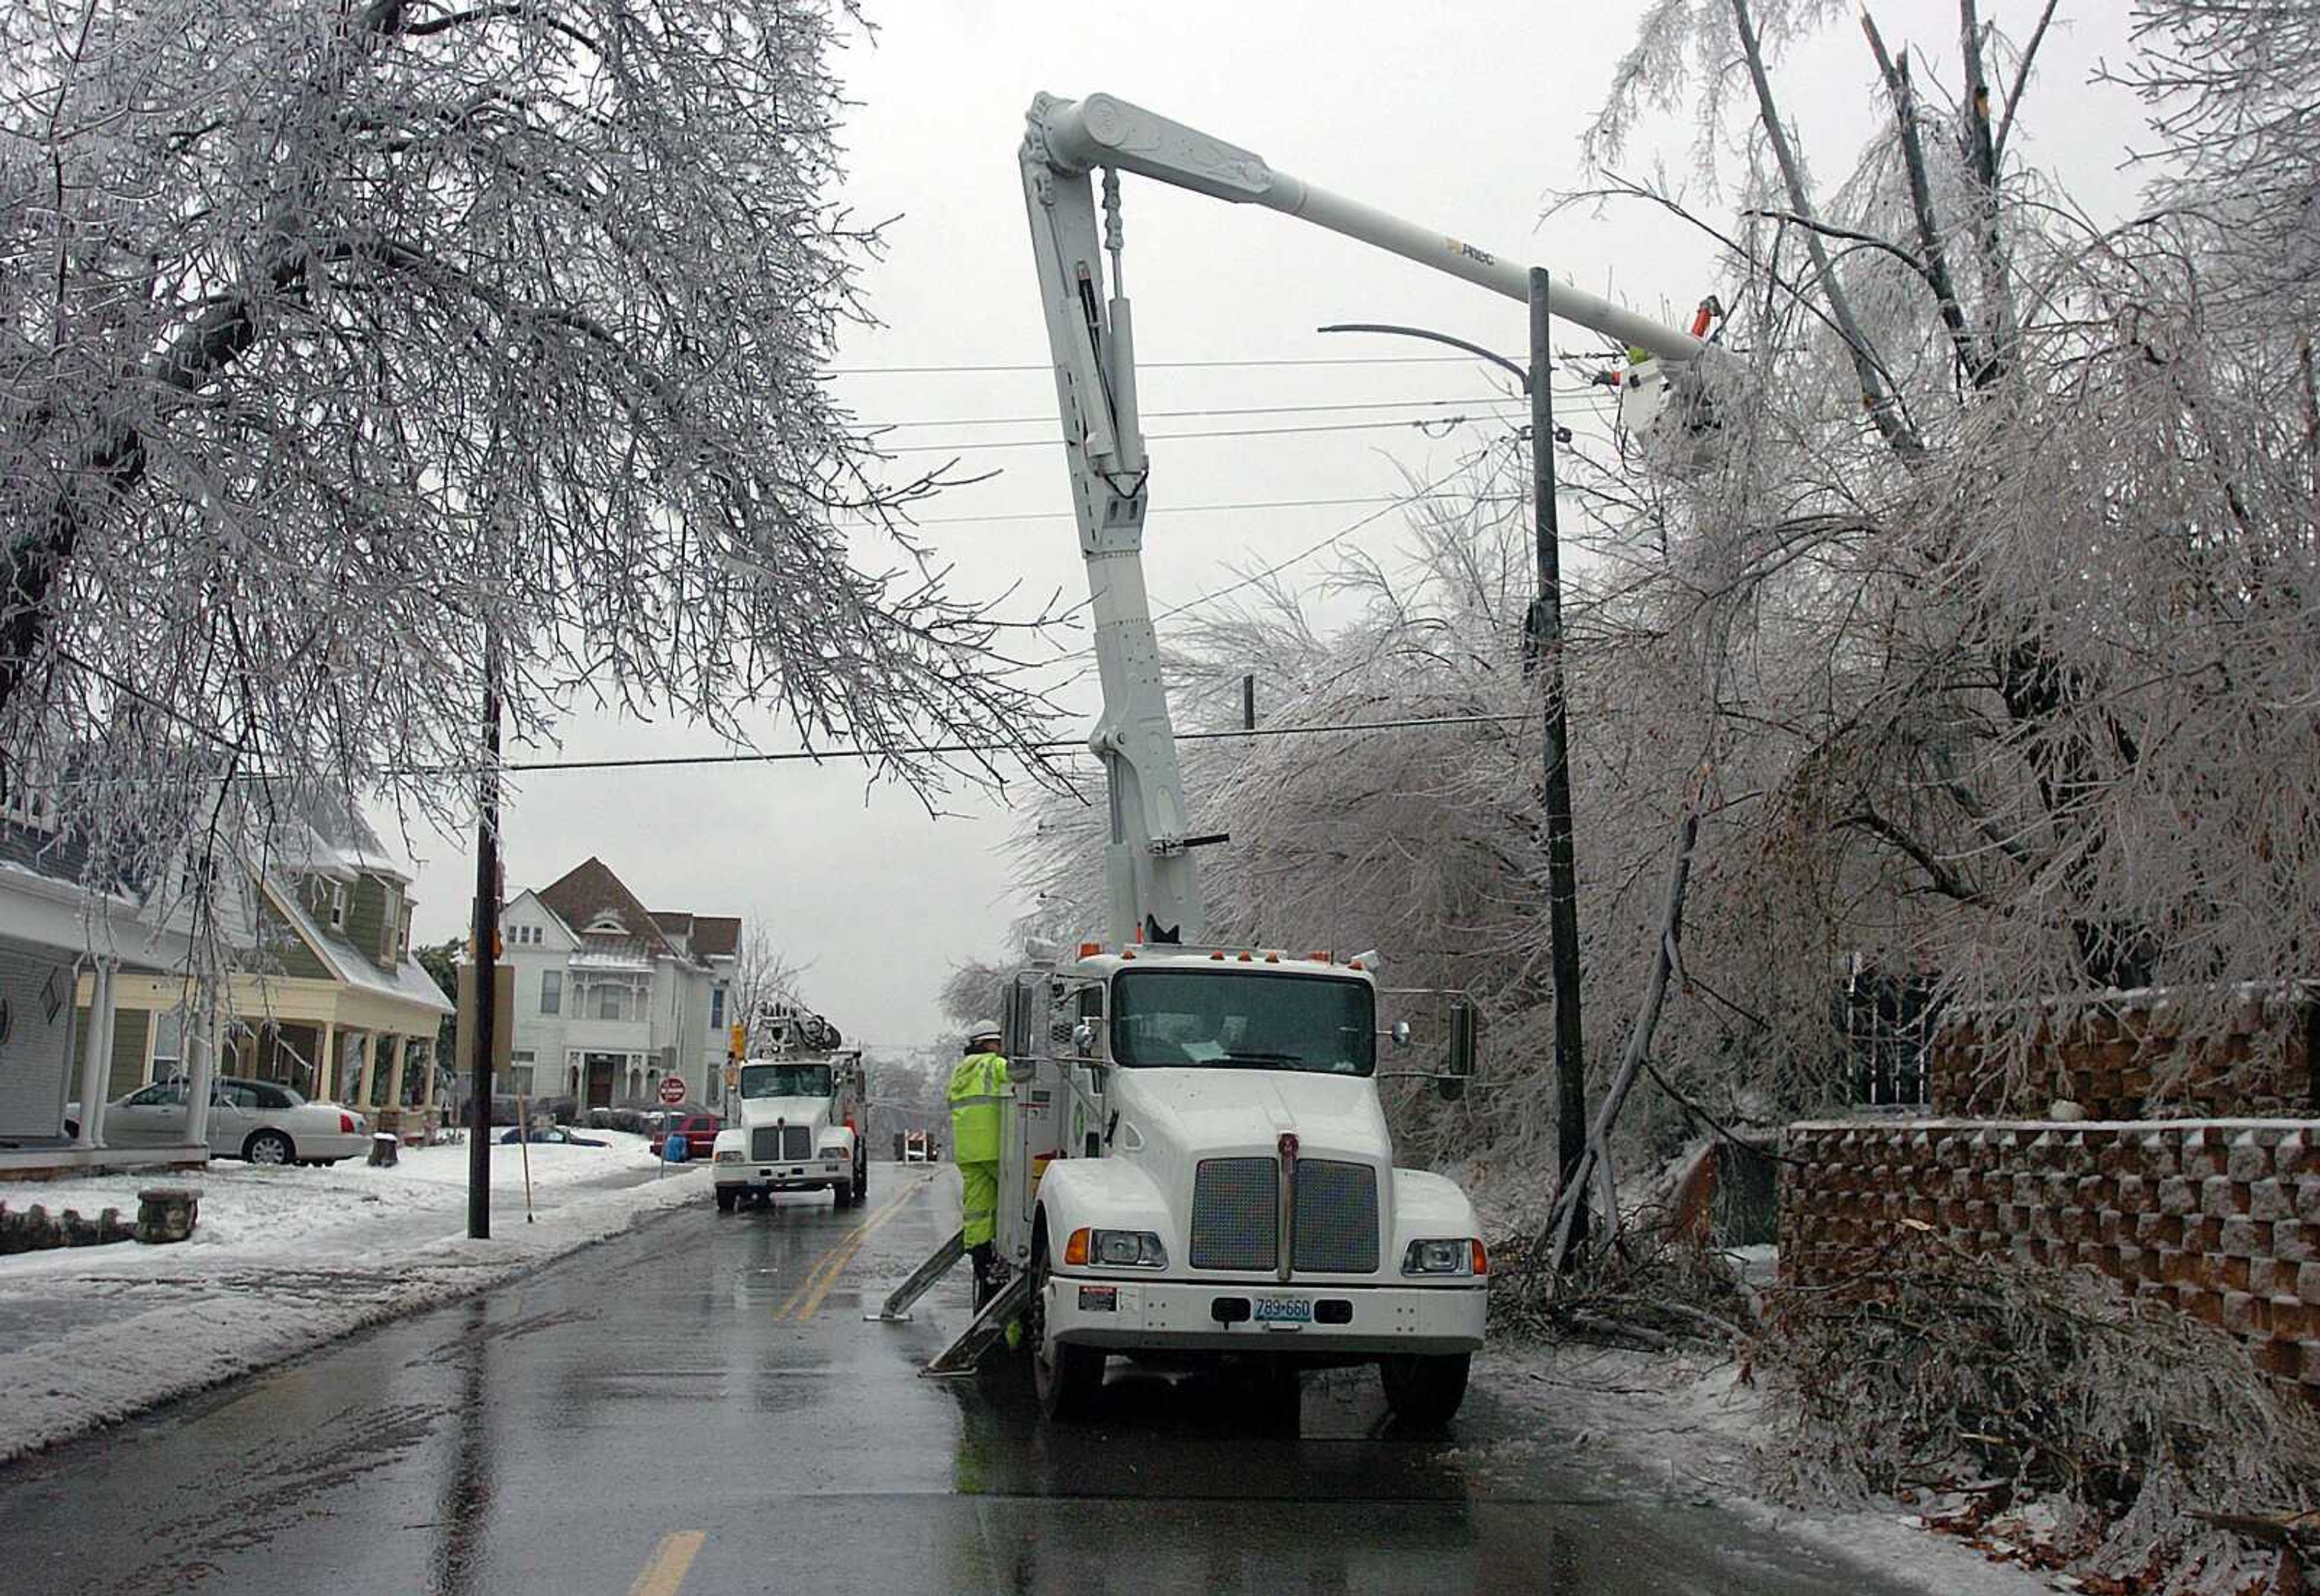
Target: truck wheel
[
  {"x": 1424, "y": 1390},
  {"x": 861, "y": 1182},
  {"x": 1067, "y": 1377},
  {"x": 844, "y": 1192},
  {"x": 726, "y": 1197}
]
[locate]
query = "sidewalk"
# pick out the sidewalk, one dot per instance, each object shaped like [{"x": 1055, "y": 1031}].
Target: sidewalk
[{"x": 282, "y": 1260}]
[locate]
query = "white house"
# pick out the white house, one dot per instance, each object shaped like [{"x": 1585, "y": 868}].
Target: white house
[{"x": 611, "y": 997}]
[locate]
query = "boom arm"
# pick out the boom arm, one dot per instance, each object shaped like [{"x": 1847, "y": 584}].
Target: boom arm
[{"x": 1148, "y": 873}]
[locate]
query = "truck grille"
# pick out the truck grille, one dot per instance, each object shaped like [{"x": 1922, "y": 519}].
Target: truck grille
[
  {"x": 770, "y": 1142},
  {"x": 1236, "y": 1213},
  {"x": 1336, "y": 1218}
]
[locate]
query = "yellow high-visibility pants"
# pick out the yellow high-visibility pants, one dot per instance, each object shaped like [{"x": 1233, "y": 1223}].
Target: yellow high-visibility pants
[{"x": 978, "y": 1203}]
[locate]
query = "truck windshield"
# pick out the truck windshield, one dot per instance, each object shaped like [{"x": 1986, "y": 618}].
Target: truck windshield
[
  {"x": 785, "y": 1080},
  {"x": 1244, "y": 1022}
]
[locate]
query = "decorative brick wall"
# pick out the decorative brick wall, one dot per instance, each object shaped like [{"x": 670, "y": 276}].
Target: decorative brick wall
[
  {"x": 2220, "y": 1218},
  {"x": 2133, "y": 1058}
]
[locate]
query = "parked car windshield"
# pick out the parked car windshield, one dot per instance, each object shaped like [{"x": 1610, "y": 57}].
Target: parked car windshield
[
  {"x": 1237, "y": 1021},
  {"x": 785, "y": 1080}
]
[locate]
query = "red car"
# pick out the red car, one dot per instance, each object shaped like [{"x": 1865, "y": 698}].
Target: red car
[{"x": 699, "y": 1131}]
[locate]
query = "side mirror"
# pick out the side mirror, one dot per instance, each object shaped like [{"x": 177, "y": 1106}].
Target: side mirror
[
  {"x": 1084, "y": 1039},
  {"x": 1465, "y": 1028},
  {"x": 1400, "y": 1034}
]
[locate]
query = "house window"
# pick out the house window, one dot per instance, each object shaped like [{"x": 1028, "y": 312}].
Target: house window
[
  {"x": 403, "y": 934},
  {"x": 519, "y": 1073},
  {"x": 717, "y": 1008},
  {"x": 28, "y": 807},
  {"x": 334, "y": 900},
  {"x": 552, "y": 992},
  {"x": 611, "y": 1001}
]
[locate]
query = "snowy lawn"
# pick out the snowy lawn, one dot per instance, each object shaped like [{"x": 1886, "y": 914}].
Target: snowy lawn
[{"x": 282, "y": 1259}]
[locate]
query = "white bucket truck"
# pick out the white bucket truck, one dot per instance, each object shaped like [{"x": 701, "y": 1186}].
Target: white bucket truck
[{"x": 794, "y": 1119}]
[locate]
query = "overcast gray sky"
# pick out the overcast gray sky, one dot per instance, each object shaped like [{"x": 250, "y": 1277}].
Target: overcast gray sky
[{"x": 1463, "y": 116}]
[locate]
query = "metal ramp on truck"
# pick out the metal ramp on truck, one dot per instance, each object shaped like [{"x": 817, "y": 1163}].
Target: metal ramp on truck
[{"x": 962, "y": 1354}]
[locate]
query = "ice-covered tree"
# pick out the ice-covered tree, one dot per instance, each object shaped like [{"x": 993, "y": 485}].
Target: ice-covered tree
[{"x": 343, "y": 340}]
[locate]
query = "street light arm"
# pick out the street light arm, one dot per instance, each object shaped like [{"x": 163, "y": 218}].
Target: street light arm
[{"x": 1512, "y": 368}]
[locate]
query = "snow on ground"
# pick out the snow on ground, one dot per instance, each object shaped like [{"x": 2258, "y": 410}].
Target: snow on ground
[
  {"x": 282, "y": 1259},
  {"x": 1688, "y": 1422}
]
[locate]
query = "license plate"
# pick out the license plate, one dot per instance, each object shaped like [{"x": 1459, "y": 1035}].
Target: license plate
[{"x": 1281, "y": 1310}]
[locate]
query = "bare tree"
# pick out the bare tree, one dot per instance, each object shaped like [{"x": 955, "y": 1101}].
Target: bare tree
[{"x": 342, "y": 338}]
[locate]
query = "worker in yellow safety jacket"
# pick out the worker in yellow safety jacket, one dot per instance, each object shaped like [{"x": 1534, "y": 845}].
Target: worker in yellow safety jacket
[{"x": 978, "y": 1086}]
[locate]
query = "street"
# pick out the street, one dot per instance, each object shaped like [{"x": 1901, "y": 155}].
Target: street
[{"x": 698, "y": 1405}]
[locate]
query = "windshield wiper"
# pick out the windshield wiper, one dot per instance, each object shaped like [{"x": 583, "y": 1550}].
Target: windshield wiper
[{"x": 1269, "y": 1060}]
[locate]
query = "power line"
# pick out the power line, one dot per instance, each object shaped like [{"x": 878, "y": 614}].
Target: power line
[
  {"x": 1313, "y": 549},
  {"x": 1420, "y": 422},
  {"x": 1047, "y": 368},
  {"x": 1035, "y": 419},
  {"x": 1184, "y": 509},
  {"x": 1042, "y": 746}
]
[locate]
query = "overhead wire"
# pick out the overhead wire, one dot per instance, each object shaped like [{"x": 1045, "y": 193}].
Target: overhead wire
[
  {"x": 1045, "y": 367},
  {"x": 1416, "y": 423}
]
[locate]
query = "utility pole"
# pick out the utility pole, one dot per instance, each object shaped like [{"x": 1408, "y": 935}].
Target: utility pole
[
  {"x": 1543, "y": 651},
  {"x": 486, "y": 931},
  {"x": 1543, "y": 637}
]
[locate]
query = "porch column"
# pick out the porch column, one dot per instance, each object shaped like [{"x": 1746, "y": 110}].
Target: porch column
[
  {"x": 96, "y": 1057},
  {"x": 427, "y": 1085},
  {"x": 326, "y": 1061},
  {"x": 400, "y": 1047},
  {"x": 200, "y": 1078},
  {"x": 369, "y": 1046}
]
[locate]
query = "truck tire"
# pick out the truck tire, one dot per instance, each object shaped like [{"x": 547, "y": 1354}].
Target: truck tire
[
  {"x": 726, "y": 1198},
  {"x": 844, "y": 1192},
  {"x": 1424, "y": 1390},
  {"x": 861, "y": 1181},
  {"x": 1064, "y": 1378}
]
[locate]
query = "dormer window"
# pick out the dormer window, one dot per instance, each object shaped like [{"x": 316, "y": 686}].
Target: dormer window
[
  {"x": 334, "y": 904},
  {"x": 607, "y": 925}
]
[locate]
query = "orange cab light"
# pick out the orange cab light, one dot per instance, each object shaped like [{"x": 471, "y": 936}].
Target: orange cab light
[
  {"x": 1217, "y": 956},
  {"x": 1127, "y": 953},
  {"x": 1482, "y": 1257},
  {"x": 1075, "y": 1250},
  {"x": 1246, "y": 955},
  {"x": 1089, "y": 950},
  {"x": 1273, "y": 958},
  {"x": 1322, "y": 959},
  {"x": 1354, "y": 965}
]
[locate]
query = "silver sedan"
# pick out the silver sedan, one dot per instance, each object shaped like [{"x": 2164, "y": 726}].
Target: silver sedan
[{"x": 263, "y": 1121}]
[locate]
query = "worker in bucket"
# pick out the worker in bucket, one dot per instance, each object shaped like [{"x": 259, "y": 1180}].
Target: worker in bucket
[{"x": 977, "y": 1088}]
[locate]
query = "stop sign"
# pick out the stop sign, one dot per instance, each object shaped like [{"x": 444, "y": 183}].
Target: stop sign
[{"x": 672, "y": 1090}]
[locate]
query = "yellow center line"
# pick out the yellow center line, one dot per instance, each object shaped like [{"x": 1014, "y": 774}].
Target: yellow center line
[
  {"x": 808, "y": 1297},
  {"x": 665, "y": 1570}
]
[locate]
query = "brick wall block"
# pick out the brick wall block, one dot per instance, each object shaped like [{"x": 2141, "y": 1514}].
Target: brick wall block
[
  {"x": 2221, "y": 1197},
  {"x": 2294, "y": 1242},
  {"x": 2307, "y": 1197}
]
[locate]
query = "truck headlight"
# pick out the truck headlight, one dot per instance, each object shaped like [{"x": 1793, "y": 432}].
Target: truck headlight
[
  {"x": 1127, "y": 1249},
  {"x": 1459, "y": 1254},
  {"x": 834, "y": 1155},
  {"x": 730, "y": 1156}
]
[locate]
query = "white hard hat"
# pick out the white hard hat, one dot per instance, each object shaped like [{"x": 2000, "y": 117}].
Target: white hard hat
[{"x": 982, "y": 1028}]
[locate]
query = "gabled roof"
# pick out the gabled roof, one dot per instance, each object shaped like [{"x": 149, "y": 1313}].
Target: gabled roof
[
  {"x": 589, "y": 892},
  {"x": 716, "y": 936}
]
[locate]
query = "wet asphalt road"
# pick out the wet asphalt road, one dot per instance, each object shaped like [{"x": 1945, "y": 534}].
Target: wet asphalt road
[{"x": 698, "y": 1406}]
